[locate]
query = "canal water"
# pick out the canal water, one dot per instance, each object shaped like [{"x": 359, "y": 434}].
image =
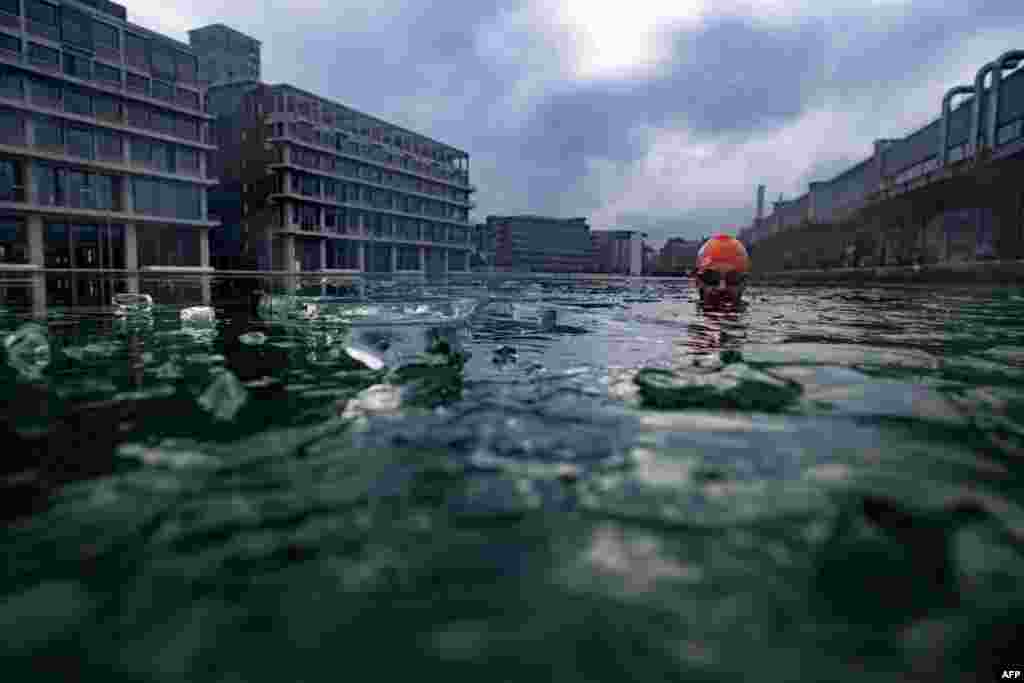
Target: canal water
[{"x": 515, "y": 480}]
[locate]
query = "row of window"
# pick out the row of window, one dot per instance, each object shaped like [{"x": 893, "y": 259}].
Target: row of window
[
  {"x": 56, "y": 185},
  {"x": 340, "y": 142},
  {"x": 355, "y": 221},
  {"x": 64, "y": 23},
  {"x": 333, "y": 190},
  {"x": 307, "y": 158},
  {"x": 83, "y": 245},
  {"x": 90, "y": 142},
  {"x": 375, "y": 131},
  {"x": 53, "y": 94}
]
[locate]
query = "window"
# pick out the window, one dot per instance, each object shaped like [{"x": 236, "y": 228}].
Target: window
[
  {"x": 137, "y": 84},
  {"x": 9, "y": 43},
  {"x": 136, "y": 114},
  {"x": 186, "y": 67},
  {"x": 188, "y": 98},
  {"x": 107, "y": 74},
  {"x": 10, "y": 6},
  {"x": 162, "y": 60},
  {"x": 107, "y": 108},
  {"x": 163, "y": 91},
  {"x": 43, "y": 56},
  {"x": 48, "y": 132},
  {"x": 109, "y": 146},
  {"x": 188, "y": 160},
  {"x": 136, "y": 51},
  {"x": 11, "y": 83},
  {"x": 162, "y": 121},
  {"x": 44, "y": 177},
  {"x": 44, "y": 92},
  {"x": 187, "y": 127},
  {"x": 13, "y": 240},
  {"x": 12, "y": 127},
  {"x": 77, "y": 101},
  {"x": 11, "y": 189},
  {"x": 42, "y": 12},
  {"x": 105, "y": 36},
  {"x": 309, "y": 185},
  {"x": 79, "y": 141},
  {"x": 75, "y": 28}
]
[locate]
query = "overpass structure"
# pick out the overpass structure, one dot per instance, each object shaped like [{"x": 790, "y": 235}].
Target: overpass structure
[{"x": 951, "y": 191}]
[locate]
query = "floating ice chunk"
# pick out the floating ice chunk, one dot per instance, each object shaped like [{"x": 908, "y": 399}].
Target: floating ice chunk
[
  {"x": 133, "y": 303},
  {"x": 198, "y": 315},
  {"x": 224, "y": 397},
  {"x": 253, "y": 338},
  {"x": 310, "y": 310},
  {"x": 367, "y": 358},
  {"x": 28, "y": 349},
  {"x": 379, "y": 399}
]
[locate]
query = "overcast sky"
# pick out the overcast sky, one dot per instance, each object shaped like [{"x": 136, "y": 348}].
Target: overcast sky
[{"x": 662, "y": 115}]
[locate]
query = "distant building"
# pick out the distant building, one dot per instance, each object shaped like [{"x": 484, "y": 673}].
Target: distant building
[
  {"x": 225, "y": 55},
  {"x": 618, "y": 251},
  {"x": 650, "y": 258},
  {"x": 678, "y": 255},
  {"x": 542, "y": 244}
]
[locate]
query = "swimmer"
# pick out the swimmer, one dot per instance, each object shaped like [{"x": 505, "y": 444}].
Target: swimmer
[{"x": 722, "y": 268}]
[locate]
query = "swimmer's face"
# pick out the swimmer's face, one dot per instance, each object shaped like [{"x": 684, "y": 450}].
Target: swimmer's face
[{"x": 720, "y": 285}]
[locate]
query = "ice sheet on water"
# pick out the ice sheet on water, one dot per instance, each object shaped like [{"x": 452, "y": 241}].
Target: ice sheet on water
[
  {"x": 348, "y": 312},
  {"x": 96, "y": 351},
  {"x": 28, "y": 350}
]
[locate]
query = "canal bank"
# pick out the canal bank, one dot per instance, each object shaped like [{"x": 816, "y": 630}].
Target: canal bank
[{"x": 965, "y": 272}]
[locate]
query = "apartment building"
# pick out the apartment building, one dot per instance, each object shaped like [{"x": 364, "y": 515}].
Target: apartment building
[
  {"x": 311, "y": 185},
  {"x": 542, "y": 244},
  {"x": 103, "y": 146}
]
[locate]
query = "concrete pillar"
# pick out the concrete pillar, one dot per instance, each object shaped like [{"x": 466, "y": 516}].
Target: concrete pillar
[
  {"x": 444, "y": 261},
  {"x": 203, "y": 203},
  {"x": 423, "y": 258},
  {"x": 323, "y": 254},
  {"x": 127, "y": 205},
  {"x": 362, "y": 256},
  {"x": 39, "y": 295},
  {"x": 131, "y": 257},
  {"x": 30, "y": 182},
  {"x": 35, "y": 241},
  {"x": 204, "y": 247},
  {"x": 394, "y": 258},
  {"x": 289, "y": 253},
  {"x": 286, "y": 181}
]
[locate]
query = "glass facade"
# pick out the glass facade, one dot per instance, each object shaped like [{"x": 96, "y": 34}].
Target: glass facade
[
  {"x": 13, "y": 240},
  {"x": 342, "y": 254}
]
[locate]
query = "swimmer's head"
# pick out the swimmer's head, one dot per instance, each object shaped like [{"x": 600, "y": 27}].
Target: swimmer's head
[{"x": 722, "y": 269}]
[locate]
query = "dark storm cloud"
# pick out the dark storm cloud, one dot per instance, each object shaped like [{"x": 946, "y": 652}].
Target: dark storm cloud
[{"x": 494, "y": 78}]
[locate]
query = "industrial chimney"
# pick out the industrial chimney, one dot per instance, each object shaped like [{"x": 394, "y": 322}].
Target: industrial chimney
[{"x": 760, "y": 202}]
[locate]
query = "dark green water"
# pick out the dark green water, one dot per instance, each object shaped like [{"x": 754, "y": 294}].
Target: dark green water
[{"x": 825, "y": 485}]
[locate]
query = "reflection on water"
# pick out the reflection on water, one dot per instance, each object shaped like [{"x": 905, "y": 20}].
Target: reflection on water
[{"x": 600, "y": 479}]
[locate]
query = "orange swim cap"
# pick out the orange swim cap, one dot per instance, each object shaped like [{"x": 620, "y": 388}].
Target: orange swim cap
[{"x": 724, "y": 253}]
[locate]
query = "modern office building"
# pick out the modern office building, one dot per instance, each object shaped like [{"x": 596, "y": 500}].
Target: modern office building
[
  {"x": 225, "y": 55},
  {"x": 310, "y": 185},
  {"x": 618, "y": 251},
  {"x": 542, "y": 244},
  {"x": 103, "y": 145}
]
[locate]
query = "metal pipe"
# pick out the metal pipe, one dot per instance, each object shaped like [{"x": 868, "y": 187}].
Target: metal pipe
[
  {"x": 947, "y": 100},
  {"x": 1007, "y": 60},
  {"x": 975, "y": 139}
]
